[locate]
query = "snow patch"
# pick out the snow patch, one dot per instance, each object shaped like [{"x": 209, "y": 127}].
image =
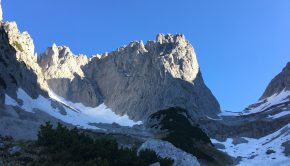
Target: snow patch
[
  {"x": 279, "y": 115},
  {"x": 229, "y": 113},
  {"x": 275, "y": 99},
  {"x": 10, "y": 101},
  {"x": 101, "y": 113},
  {"x": 255, "y": 151},
  {"x": 81, "y": 118}
]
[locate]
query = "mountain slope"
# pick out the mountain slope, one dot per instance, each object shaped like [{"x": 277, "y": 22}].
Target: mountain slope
[
  {"x": 275, "y": 101},
  {"x": 261, "y": 133}
]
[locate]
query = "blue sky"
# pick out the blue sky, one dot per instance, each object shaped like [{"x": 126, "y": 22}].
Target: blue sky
[{"x": 240, "y": 44}]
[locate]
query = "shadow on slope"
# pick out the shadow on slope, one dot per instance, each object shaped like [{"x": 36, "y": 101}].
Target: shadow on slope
[{"x": 14, "y": 73}]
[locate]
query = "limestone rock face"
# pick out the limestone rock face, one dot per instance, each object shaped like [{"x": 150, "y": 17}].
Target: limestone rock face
[
  {"x": 136, "y": 79},
  {"x": 18, "y": 64},
  {"x": 142, "y": 79},
  {"x": 63, "y": 73},
  {"x": 279, "y": 83}
]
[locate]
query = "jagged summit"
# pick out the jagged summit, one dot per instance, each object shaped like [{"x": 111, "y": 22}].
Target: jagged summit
[{"x": 279, "y": 83}]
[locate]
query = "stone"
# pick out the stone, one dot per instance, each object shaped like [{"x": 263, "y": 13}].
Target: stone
[
  {"x": 270, "y": 151},
  {"x": 239, "y": 140},
  {"x": 166, "y": 150},
  {"x": 286, "y": 146},
  {"x": 2, "y": 145},
  {"x": 15, "y": 150}
]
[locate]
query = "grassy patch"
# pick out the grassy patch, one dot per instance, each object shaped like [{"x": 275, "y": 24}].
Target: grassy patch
[{"x": 18, "y": 46}]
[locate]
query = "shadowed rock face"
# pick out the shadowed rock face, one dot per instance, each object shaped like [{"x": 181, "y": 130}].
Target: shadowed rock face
[
  {"x": 279, "y": 83},
  {"x": 18, "y": 67},
  {"x": 136, "y": 79}
]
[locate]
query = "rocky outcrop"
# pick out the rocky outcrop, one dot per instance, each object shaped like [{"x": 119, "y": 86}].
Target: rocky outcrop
[
  {"x": 18, "y": 64},
  {"x": 279, "y": 83},
  {"x": 63, "y": 73},
  {"x": 166, "y": 150},
  {"x": 19, "y": 69}
]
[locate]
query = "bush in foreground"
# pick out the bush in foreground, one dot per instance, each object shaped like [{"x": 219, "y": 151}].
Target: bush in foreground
[{"x": 71, "y": 147}]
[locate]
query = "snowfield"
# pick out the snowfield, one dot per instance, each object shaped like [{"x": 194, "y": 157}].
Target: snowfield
[
  {"x": 275, "y": 99},
  {"x": 228, "y": 113},
  {"x": 279, "y": 115},
  {"x": 255, "y": 151},
  {"x": 72, "y": 113},
  {"x": 278, "y": 98}
]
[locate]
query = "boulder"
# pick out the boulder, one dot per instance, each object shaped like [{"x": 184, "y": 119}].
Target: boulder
[
  {"x": 166, "y": 150},
  {"x": 15, "y": 150}
]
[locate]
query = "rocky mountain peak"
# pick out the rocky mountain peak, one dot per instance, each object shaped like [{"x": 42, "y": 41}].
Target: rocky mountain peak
[
  {"x": 169, "y": 38},
  {"x": 22, "y": 42},
  {"x": 177, "y": 55},
  {"x": 161, "y": 74},
  {"x": 60, "y": 62},
  {"x": 279, "y": 83}
]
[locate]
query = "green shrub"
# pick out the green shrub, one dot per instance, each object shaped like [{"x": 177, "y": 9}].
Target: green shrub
[
  {"x": 71, "y": 147},
  {"x": 18, "y": 46},
  {"x": 182, "y": 133},
  {"x": 149, "y": 157}
]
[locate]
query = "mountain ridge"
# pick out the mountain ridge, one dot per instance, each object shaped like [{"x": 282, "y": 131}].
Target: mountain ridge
[{"x": 124, "y": 63}]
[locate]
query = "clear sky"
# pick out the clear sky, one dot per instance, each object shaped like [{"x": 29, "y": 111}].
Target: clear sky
[{"x": 240, "y": 44}]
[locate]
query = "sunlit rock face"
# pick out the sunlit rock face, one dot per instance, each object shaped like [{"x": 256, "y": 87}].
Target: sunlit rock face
[
  {"x": 140, "y": 79},
  {"x": 136, "y": 79},
  {"x": 63, "y": 73}
]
